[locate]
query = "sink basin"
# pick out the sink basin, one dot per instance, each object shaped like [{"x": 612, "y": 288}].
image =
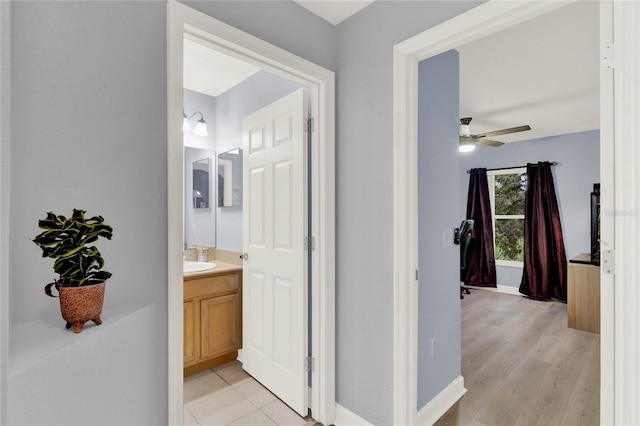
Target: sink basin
[{"x": 189, "y": 266}]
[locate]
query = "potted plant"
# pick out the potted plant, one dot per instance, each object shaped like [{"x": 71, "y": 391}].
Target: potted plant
[{"x": 81, "y": 283}]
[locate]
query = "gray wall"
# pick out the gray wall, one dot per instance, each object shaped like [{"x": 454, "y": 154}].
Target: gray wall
[
  {"x": 281, "y": 23},
  {"x": 579, "y": 168},
  {"x": 439, "y": 355},
  {"x": 364, "y": 162},
  {"x": 202, "y": 147},
  {"x": 254, "y": 93},
  {"x": 92, "y": 76},
  {"x": 89, "y": 131},
  {"x": 5, "y": 264}
]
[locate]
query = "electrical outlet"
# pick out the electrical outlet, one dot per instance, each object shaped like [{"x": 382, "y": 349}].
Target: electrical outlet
[{"x": 447, "y": 238}]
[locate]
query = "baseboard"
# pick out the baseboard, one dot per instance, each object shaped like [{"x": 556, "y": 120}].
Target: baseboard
[
  {"x": 346, "y": 417},
  {"x": 506, "y": 289},
  {"x": 439, "y": 405}
]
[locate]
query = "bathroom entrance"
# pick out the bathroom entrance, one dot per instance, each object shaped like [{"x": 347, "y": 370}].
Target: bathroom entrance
[{"x": 269, "y": 81}]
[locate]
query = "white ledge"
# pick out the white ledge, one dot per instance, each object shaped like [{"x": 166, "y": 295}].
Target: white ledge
[{"x": 33, "y": 341}]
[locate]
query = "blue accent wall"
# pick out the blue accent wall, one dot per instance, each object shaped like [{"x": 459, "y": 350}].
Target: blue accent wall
[
  {"x": 438, "y": 206},
  {"x": 579, "y": 168}
]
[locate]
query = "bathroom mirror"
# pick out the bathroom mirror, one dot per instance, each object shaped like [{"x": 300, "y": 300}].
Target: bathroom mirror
[
  {"x": 230, "y": 178},
  {"x": 201, "y": 187},
  {"x": 200, "y": 224}
]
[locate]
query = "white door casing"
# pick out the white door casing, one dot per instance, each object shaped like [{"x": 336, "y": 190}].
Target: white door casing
[
  {"x": 275, "y": 266},
  {"x": 185, "y": 22},
  {"x": 488, "y": 18}
]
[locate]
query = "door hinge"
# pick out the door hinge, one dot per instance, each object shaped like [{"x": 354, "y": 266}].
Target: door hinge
[
  {"x": 608, "y": 57},
  {"x": 309, "y": 243},
  {"x": 608, "y": 262},
  {"x": 309, "y": 364},
  {"x": 417, "y": 275},
  {"x": 309, "y": 125}
]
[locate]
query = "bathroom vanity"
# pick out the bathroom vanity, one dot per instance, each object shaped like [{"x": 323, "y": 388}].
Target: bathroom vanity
[{"x": 212, "y": 317}]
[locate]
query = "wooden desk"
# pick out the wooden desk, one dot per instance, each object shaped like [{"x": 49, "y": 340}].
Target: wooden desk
[{"x": 583, "y": 297}]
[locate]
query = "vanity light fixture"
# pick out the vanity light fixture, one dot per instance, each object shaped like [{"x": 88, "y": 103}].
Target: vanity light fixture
[{"x": 201, "y": 125}]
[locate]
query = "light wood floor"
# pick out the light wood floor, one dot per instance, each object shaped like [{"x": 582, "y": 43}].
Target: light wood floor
[{"x": 523, "y": 366}]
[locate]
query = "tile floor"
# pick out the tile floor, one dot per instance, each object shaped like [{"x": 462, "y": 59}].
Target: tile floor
[{"x": 227, "y": 395}]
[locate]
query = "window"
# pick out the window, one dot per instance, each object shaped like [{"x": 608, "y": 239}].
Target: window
[{"x": 506, "y": 192}]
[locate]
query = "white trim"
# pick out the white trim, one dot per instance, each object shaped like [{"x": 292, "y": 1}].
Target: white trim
[
  {"x": 491, "y": 179},
  {"x": 489, "y": 18},
  {"x": 607, "y": 167},
  {"x": 440, "y": 403},
  {"x": 625, "y": 214},
  {"x": 505, "y": 289},
  {"x": 405, "y": 243},
  {"x": 509, "y": 263},
  {"x": 232, "y": 41},
  {"x": 346, "y": 417}
]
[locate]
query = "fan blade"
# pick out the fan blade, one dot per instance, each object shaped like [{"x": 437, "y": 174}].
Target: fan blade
[
  {"x": 489, "y": 142},
  {"x": 503, "y": 131}
]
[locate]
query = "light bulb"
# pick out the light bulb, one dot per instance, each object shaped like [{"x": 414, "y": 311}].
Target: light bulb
[
  {"x": 467, "y": 147},
  {"x": 201, "y": 128}
]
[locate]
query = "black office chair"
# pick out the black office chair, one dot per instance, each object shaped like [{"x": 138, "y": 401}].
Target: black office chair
[{"x": 463, "y": 238}]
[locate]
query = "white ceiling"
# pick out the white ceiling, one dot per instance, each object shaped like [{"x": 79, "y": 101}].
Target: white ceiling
[
  {"x": 210, "y": 72},
  {"x": 334, "y": 11},
  {"x": 544, "y": 72}
]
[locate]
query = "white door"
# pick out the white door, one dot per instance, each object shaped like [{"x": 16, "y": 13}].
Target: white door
[{"x": 274, "y": 229}]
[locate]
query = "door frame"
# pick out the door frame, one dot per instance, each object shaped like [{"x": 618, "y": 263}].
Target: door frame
[
  {"x": 620, "y": 373},
  {"x": 183, "y": 21}
]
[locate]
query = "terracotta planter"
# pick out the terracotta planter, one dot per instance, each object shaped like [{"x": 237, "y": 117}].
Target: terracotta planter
[{"x": 81, "y": 304}]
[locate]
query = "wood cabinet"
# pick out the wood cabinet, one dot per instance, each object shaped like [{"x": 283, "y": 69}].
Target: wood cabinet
[
  {"x": 583, "y": 297},
  {"x": 212, "y": 320},
  {"x": 191, "y": 338}
]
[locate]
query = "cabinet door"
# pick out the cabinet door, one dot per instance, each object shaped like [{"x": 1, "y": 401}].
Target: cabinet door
[
  {"x": 191, "y": 335},
  {"x": 220, "y": 326}
]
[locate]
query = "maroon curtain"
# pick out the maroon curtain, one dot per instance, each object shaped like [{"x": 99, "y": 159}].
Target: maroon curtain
[
  {"x": 481, "y": 263},
  {"x": 545, "y": 262}
]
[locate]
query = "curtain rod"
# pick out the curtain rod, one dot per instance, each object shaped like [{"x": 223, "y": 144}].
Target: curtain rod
[{"x": 553, "y": 163}]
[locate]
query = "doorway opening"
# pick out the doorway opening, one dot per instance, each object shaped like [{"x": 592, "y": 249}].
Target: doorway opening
[
  {"x": 475, "y": 24},
  {"x": 185, "y": 23},
  {"x": 516, "y": 88}
]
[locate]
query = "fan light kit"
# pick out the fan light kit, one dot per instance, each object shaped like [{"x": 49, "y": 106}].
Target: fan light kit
[
  {"x": 468, "y": 141},
  {"x": 466, "y": 146}
]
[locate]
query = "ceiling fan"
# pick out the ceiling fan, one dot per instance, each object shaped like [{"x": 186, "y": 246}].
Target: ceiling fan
[{"x": 468, "y": 141}]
